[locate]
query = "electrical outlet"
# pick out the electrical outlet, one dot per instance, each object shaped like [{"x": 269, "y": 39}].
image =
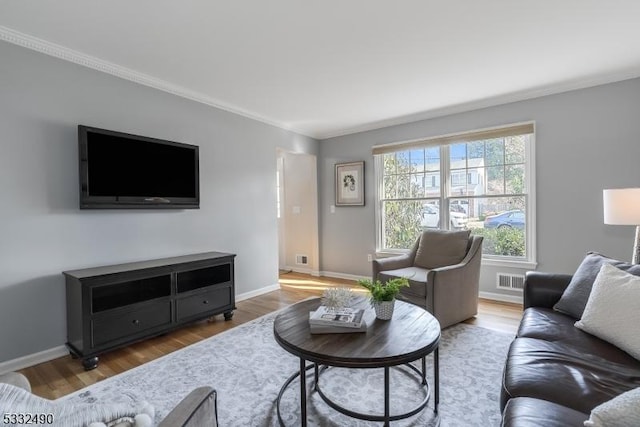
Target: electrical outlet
[{"x": 369, "y": 257}]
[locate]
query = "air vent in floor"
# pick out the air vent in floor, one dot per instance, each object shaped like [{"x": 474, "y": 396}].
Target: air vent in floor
[{"x": 510, "y": 281}]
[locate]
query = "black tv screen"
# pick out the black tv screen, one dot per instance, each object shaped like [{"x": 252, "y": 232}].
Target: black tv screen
[{"x": 119, "y": 170}]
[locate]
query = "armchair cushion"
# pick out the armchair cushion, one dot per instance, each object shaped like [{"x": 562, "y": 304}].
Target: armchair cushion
[
  {"x": 439, "y": 248},
  {"x": 417, "y": 278}
]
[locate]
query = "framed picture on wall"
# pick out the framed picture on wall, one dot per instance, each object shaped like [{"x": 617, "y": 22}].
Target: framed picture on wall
[{"x": 350, "y": 184}]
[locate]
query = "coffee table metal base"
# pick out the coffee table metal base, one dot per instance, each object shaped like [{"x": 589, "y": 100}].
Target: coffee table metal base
[{"x": 386, "y": 418}]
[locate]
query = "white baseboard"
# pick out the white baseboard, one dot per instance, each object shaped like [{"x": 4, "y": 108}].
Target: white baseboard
[
  {"x": 342, "y": 275},
  {"x": 33, "y": 359},
  {"x": 303, "y": 270},
  {"x": 516, "y": 299},
  {"x": 257, "y": 292}
]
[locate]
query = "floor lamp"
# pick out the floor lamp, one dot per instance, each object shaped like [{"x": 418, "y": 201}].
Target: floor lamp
[{"x": 622, "y": 207}]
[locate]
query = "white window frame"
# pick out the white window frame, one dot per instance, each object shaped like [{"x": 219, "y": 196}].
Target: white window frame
[{"x": 530, "y": 262}]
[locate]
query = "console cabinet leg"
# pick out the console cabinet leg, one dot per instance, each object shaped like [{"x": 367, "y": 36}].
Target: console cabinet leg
[
  {"x": 90, "y": 363},
  {"x": 228, "y": 315}
]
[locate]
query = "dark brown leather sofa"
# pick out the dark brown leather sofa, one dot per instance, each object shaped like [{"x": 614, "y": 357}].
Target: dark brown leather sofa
[{"x": 555, "y": 374}]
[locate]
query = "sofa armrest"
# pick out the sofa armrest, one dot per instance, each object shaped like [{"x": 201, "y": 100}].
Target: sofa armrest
[
  {"x": 391, "y": 263},
  {"x": 544, "y": 289},
  {"x": 198, "y": 409}
]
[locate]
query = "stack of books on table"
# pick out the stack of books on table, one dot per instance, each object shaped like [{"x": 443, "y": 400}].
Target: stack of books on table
[{"x": 327, "y": 320}]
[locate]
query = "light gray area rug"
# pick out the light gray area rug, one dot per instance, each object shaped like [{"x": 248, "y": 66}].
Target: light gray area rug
[{"x": 247, "y": 368}]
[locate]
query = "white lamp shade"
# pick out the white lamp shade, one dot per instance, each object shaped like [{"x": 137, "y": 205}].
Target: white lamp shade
[{"x": 621, "y": 206}]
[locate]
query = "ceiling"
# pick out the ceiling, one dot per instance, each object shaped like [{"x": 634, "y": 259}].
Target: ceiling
[{"x": 333, "y": 67}]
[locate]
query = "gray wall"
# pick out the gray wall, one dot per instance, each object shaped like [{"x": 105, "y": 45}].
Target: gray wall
[
  {"x": 42, "y": 231},
  {"x": 586, "y": 140},
  {"x": 300, "y": 211}
]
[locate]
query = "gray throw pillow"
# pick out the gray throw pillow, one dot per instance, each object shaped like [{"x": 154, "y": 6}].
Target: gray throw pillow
[
  {"x": 575, "y": 297},
  {"x": 439, "y": 248}
]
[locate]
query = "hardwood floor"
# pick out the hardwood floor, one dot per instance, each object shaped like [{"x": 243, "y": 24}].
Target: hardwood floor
[{"x": 64, "y": 375}]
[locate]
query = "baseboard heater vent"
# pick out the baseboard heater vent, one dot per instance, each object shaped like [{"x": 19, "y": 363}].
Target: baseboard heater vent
[
  {"x": 510, "y": 281},
  {"x": 302, "y": 260}
]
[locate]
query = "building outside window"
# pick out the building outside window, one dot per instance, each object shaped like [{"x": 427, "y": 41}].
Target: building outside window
[{"x": 481, "y": 180}]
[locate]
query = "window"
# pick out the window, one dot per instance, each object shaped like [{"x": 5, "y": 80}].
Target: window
[{"x": 480, "y": 180}]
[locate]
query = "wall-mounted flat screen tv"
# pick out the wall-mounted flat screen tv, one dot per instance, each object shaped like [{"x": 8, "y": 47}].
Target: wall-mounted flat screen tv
[{"x": 123, "y": 171}]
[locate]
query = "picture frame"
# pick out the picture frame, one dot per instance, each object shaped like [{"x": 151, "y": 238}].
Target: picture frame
[{"x": 349, "y": 184}]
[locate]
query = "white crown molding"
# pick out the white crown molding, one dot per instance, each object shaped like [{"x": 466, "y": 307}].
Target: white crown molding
[
  {"x": 489, "y": 102},
  {"x": 48, "y": 48},
  {"x": 39, "y": 45}
]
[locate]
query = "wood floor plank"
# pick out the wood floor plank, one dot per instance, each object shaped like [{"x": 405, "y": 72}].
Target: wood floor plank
[{"x": 64, "y": 375}]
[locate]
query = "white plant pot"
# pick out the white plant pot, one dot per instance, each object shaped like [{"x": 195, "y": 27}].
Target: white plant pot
[{"x": 384, "y": 309}]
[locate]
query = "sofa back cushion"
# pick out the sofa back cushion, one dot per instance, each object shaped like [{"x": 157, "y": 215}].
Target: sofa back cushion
[
  {"x": 574, "y": 299},
  {"x": 439, "y": 248}
]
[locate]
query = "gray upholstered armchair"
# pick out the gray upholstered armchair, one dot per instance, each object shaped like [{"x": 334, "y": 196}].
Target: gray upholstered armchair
[{"x": 443, "y": 269}]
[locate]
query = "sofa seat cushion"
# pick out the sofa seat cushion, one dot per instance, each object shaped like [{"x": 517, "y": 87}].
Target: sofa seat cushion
[
  {"x": 564, "y": 374},
  {"x": 528, "y": 412},
  {"x": 417, "y": 277},
  {"x": 549, "y": 325}
]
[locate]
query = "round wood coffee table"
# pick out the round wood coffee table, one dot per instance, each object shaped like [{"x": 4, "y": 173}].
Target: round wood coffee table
[{"x": 410, "y": 335}]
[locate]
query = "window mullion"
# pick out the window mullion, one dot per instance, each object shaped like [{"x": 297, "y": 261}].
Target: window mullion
[
  {"x": 379, "y": 212},
  {"x": 445, "y": 187}
]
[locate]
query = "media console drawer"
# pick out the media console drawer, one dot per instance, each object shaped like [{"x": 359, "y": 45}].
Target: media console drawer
[
  {"x": 111, "y": 327},
  {"x": 204, "y": 302},
  {"x": 113, "y": 306}
]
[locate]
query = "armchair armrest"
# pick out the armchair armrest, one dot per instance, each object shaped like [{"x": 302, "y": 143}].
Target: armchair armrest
[
  {"x": 544, "y": 289},
  {"x": 198, "y": 409},
  {"x": 391, "y": 263},
  {"x": 452, "y": 291}
]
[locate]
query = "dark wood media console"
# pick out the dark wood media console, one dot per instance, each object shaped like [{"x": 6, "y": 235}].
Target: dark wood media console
[{"x": 112, "y": 306}]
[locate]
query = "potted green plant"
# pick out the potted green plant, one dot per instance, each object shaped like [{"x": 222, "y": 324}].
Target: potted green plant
[{"x": 383, "y": 295}]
